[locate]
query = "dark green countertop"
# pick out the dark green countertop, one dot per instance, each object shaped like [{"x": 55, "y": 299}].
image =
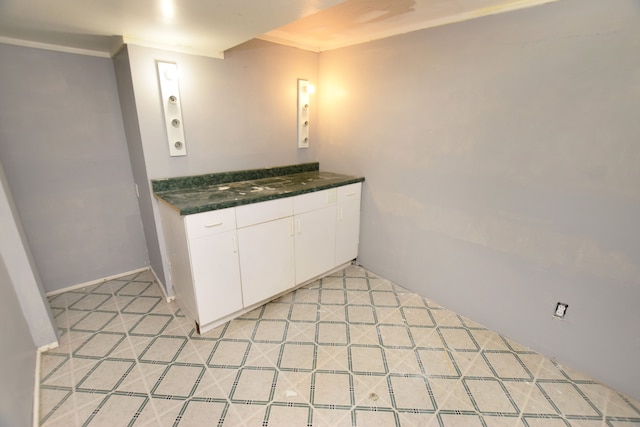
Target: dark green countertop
[{"x": 202, "y": 193}]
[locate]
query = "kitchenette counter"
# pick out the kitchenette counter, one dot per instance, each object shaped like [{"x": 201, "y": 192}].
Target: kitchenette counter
[{"x": 201, "y": 193}]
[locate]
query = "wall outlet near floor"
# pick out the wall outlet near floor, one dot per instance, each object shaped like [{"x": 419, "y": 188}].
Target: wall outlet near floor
[{"x": 561, "y": 310}]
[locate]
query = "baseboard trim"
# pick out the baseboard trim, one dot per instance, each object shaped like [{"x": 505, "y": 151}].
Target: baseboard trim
[
  {"x": 36, "y": 381},
  {"x": 95, "y": 282}
]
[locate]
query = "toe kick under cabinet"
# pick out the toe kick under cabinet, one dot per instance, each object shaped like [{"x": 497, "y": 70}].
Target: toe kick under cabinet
[{"x": 226, "y": 262}]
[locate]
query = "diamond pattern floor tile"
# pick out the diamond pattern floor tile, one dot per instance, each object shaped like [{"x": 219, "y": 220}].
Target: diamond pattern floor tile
[{"x": 351, "y": 349}]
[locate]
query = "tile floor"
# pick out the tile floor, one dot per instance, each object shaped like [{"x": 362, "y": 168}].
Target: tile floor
[{"x": 351, "y": 349}]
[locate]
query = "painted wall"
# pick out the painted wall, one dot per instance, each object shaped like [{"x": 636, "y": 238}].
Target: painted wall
[
  {"x": 18, "y": 355},
  {"x": 502, "y": 172},
  {"x": 238, "y": 113},
  {"x": 63, "y": 146},
  {"x": 25, "y": 319},
  {"x": 22, "y": 272}
]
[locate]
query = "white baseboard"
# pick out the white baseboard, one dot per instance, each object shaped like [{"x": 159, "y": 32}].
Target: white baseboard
[
  {"x": 36, "y": 385},
  {"x": 95, "y": 282}
]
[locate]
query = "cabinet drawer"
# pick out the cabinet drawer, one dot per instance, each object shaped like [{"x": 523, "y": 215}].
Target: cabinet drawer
[
  {"x": 351, "y": 191},
  {"x": 257, "y": 213},
  {"x": 208, "y": 223},
  {"x": 312, "y": 201}
]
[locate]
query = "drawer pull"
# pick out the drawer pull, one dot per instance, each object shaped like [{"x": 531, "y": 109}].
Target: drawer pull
[
  {"x": 215, "y": 224},
  {"x": 353, "y": 193}
]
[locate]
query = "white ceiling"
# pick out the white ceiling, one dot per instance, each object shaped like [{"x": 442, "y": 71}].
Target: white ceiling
[{"x": 209, "y": 27}]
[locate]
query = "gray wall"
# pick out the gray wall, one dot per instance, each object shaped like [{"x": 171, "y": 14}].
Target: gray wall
[
  {"x": 63, "y": 147},
  {"x": 18, "y": 355},
  {"x": 503, "y": 172},
  {"x": 25, "y": 319},
  {"x": 238, "y": 113},
  {"x": 20, "y": 266}
]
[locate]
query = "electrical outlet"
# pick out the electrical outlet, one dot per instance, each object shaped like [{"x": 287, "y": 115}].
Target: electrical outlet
[{"x": 561, "y": 310}]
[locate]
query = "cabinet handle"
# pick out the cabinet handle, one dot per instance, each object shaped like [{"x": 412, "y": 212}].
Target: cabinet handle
[
  {"x": 215, "y": 224},
  {"x": 234, "y": 244},
  {"x": 298, "y": 227},
  {"x": 291, "y": 228},
  {"x": 353, "y": 193},
  {"x": 340, "y": 214}
]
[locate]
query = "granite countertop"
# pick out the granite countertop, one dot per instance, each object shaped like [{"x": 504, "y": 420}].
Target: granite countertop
[{"x": 202, "y": 193}]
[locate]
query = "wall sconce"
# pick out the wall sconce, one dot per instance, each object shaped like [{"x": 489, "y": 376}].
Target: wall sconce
[
  {"x": 305, "y": 89},
  {"x": 170, "y": 93}
]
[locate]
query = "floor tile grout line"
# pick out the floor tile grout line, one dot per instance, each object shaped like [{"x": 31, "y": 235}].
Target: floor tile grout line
[
  {"x": 341, "y": 310},
  {"x": 133, "y": 350}
]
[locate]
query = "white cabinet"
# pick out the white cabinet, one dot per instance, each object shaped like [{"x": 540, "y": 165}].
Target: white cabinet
[
  {"x": 348, "y": 223},
  {"x": 204, "y": 263},
  {"x": 213, "y": 249},
  {"x": 265, "y": 238},
  {"x": 315, "y": 234},
  {"x": 224, "y": 262}
]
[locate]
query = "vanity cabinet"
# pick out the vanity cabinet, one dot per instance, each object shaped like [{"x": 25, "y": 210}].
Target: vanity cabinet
[
  {"x": 348, "y": 222},
  {"x": 225, "y": 262},
  {"x": 204, "y": 263},
  {"x": 315, "y": 234},
  {"x": 265, "y": 237}
]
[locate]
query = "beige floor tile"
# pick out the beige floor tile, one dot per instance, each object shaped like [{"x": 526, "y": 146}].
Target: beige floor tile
[
  {"x": 489, "y": 396},
  {"x": 282, "y": 416},
  {"x": 349, "y": 349},
  {"x": 332, "y": 389},
  {"x": 507, "y": 366},
  {"x": 568, "y": 399},
  {"x": 178, "y": 381},
  {"x": 323, "y": 417},
  {"x": 332, "y": 333},
  {"x": 364, "y": 334},
  {"x": 372, "y": 392},
  {"x": 117, "y": 411},
  {"x": 304, "y": 312},
  {"x": 416, "y": 316},
  {"x": 395, "y": 336},
  {"x": 367, "y": 360},
  {"x": 455, "y": 420},
  {"x": 411, "y": 393},
  {"x": 228, "y": 354},
  {"x": 332, "y": 358},
  {"x": 198, "y": 414},
  {"x": 544, "y": 422},
  {"x": 438, "y": 363},
  {"x": 366, "y": 418},
  {"x": 293, "y": 387},
  {"x": 254, "y": 385},
  {"x": 298, "y": 356},
  {"x": 270, "y": 330},
  {"x": 361, "y": 314}
]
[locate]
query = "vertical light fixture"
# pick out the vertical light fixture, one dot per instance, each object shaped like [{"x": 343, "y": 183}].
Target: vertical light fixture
[
  {"x": 170, "y": 93},
  {"x": 305, "y": 89}
]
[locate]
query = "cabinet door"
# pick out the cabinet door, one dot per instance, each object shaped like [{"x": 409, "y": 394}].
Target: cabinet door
[
  {"x": 348, "y": 226},
  {"x": 315, "y": 243},
  {"x": 216, "y": 275},
  {"x": 266, "y": 259}
]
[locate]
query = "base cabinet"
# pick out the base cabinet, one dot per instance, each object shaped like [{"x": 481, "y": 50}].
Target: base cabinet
[
  {"x": 216, "y": 276},
  {"x": 315, "y": 243},
  {"x": 348, "y": 223},
  {"x": 266, "y": 259},
  {"x": 224, "y": 262}
]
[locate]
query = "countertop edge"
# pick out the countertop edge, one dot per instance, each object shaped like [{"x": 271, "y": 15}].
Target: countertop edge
[{"x": 258, "y": 198}]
